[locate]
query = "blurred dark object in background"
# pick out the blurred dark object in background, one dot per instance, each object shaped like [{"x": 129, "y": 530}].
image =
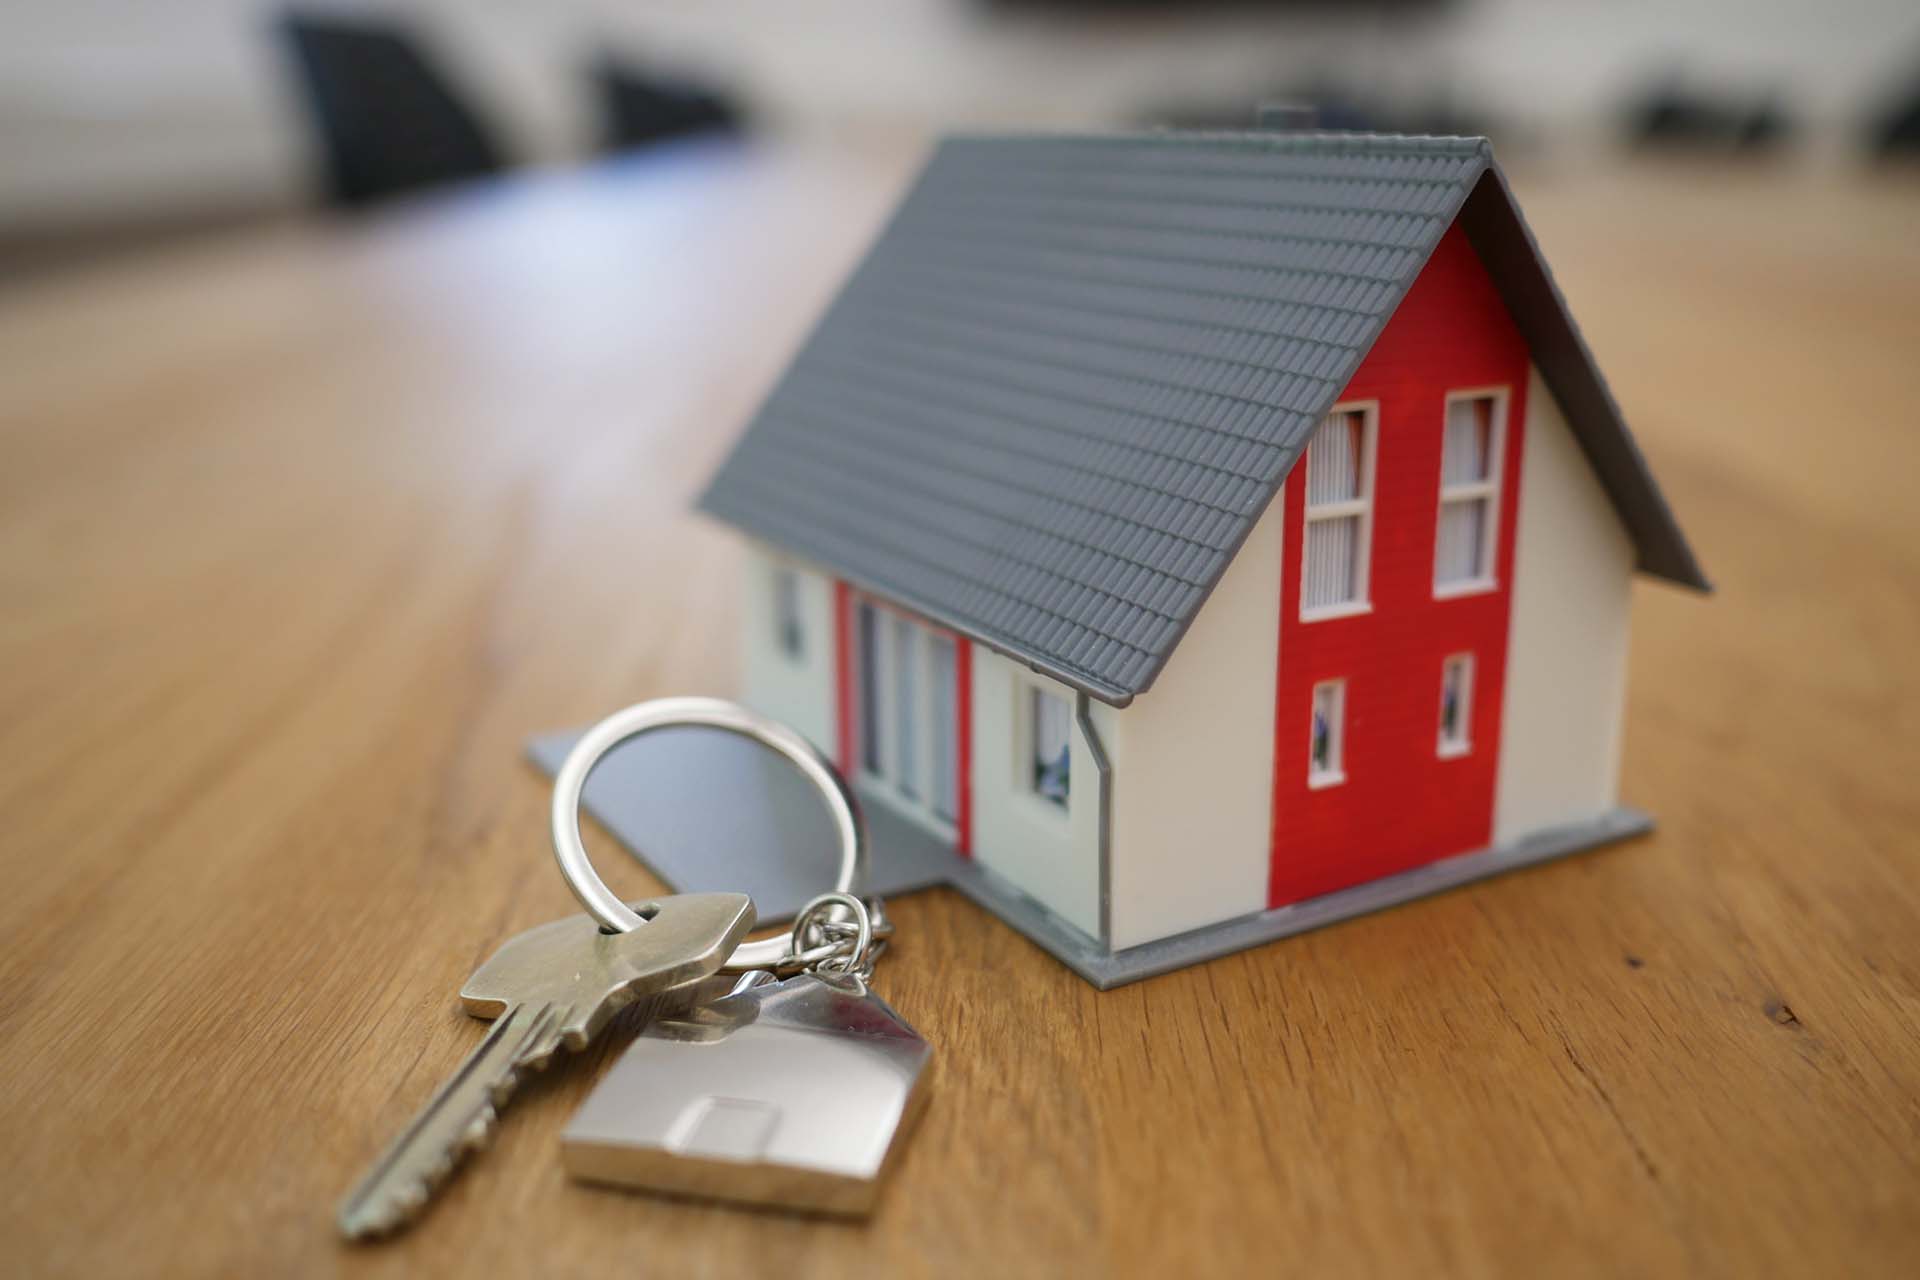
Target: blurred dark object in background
[
  {"x": 1894, "y": 133},
  {"x": 387, "y": 120},
  {"x": 1669, "y": 116},
  {"x": 1200, "y": 6},
  {"x": 636, "y": 108}
]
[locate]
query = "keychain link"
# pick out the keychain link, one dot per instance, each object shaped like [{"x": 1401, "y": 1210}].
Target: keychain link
[{"x": 823, "y": 944}]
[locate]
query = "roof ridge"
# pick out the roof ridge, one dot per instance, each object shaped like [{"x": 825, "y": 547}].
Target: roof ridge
[{"x": 1311, "y": 141}]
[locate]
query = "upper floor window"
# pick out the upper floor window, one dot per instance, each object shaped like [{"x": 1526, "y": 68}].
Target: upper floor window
[
  {"x": 1456, "y": 705},
  {"x": 789, "y": 629},
  {"x": 1339, "y": 521},
  {"x": 1050, "y": 756},
  {"x": 1326, "y": 734},
  {"x": 1469, "y": 492}
]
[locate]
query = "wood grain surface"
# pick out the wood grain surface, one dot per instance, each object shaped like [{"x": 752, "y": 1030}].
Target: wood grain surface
[{"x": 301, "y": 534}]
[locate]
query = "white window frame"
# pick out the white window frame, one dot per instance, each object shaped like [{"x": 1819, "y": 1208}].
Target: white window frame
[
  {"x": 1336, "y": 772},
  {"x": 1362, "y": 602},
  {"x": 917, "y": 803},
  {"x": 1488, "y": 490},
  {"x": 1462, "y": 743},
  {"x": 786, "y": 590},
  {"x": 1026, "y": 731}
]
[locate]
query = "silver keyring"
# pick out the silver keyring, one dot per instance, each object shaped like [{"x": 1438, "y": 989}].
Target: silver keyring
[{"x": 714, "y": 713}]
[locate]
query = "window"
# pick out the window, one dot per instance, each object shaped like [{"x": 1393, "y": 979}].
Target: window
[
  {"x": 1469, "y": 487},
  {"x": 867, "y": 626},
  {"x": 1050, "y": 730},
  {"x": 905, "y": 706},
  {"x": 1339, "y": 514},
  {"x": 789, "y": 633},
  {"x": 1456, "y": 704},
  {"x": 946, "y": 772},
  {"x": 908, "y": 719},
  {"x": 1326, "y": 734}
]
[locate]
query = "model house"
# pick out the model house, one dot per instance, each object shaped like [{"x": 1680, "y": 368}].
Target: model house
[{"x": 1203, "y": 536}]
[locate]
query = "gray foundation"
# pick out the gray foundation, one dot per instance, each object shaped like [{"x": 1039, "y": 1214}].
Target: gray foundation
[
  {"x": 1106, "y": 969},
  {"x": 706, "y": 811}
]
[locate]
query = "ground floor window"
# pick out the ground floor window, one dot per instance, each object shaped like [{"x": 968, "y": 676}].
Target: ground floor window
[
  {"x": 1050, "y": 751},
  {"x": 789, "y": 627},
  {"x": 1456, "y": 705},
  {"x": 945, "y": 730},
  {"x": 1326, "y": 734}
]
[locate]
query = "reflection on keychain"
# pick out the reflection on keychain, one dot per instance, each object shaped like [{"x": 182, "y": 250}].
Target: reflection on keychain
[{"x": 793, "y": 1093}]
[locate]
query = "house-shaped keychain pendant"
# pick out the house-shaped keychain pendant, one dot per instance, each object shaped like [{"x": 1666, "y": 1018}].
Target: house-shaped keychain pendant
[{"x": 791, "y": 1094}]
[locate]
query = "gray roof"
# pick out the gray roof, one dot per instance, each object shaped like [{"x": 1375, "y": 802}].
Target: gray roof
[{"x": 1063, "y": 386}]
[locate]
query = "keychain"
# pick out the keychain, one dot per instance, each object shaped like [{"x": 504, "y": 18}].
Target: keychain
[
  {"x": 795, "y": 1089},
  {"x": 793, "y": 1093},
  {"x": 560, "y": 984}
]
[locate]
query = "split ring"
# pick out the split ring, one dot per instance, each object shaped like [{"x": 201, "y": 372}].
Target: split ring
[{"x": 713, "y": 713}]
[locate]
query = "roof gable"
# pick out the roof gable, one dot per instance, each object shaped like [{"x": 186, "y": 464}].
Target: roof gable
[{"x": 1066, "y": 381}]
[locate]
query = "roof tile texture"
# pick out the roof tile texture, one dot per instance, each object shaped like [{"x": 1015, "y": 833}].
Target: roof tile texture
[{"x": 1072, "y": 372}]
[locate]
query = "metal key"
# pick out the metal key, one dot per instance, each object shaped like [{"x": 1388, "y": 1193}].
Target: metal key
[{"x": 557, "y": 984}]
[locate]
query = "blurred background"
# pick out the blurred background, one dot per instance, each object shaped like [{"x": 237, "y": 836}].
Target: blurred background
[{"x": 127, "y": 121}]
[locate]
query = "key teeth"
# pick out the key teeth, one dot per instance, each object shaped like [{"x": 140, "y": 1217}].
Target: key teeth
[
  {"x": 480, "y": 1133},
  {"x": 404, "y": 1203},
  {"x": 529, "y": 1039}
]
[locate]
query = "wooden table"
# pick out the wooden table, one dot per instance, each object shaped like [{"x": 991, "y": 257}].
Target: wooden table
[{"x": 302, "y": 534}]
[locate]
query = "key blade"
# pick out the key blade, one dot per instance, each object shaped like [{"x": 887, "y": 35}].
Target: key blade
[
  {"x": 457, "y": 1119},
  {"x": 558, "y": 984}
]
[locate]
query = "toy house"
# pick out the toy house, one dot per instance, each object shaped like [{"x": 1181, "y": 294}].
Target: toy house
[{"x": 1200, "y": 537}]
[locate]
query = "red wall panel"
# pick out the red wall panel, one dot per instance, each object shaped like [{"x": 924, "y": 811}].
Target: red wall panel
[{"x": 1402, "y": 805}]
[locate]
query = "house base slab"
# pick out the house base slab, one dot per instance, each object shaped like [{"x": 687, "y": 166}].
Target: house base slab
[
  {"x": 713, "y": 813},
  {"x": 1106, "y": 969}
]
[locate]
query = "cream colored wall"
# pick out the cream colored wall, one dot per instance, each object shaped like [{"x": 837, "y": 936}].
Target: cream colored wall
[
  {"x": 1050, "y": 854},
  {"x": 798, "y": 692},
  {"x": 1567, "y": 644},
  {"x": 1193, "y": 762},
  {"x": 1192, "y": 758}
]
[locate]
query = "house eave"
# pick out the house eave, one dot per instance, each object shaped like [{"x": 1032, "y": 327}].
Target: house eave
[{"x": 1081, "y": 681}]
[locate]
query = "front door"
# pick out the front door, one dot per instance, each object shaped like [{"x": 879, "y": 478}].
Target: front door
[{"x": 907, "y": 714}]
